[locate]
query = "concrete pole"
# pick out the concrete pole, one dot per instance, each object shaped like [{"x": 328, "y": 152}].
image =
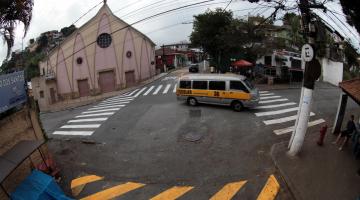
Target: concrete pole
[{"x": 302, "y": 122}]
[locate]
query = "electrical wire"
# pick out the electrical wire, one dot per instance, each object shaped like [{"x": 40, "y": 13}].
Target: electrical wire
[{"x": 139, "y": 21}]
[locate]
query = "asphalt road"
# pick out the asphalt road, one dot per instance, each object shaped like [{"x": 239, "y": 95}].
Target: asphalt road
[{"x": 155, "y": 140}]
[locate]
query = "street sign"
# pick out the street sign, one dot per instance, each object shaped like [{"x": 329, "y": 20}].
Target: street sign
[
  {"x": 12, "y": 90},
  {"x": 307, "y": 53}
]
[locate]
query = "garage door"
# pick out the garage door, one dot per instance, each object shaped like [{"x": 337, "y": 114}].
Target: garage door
[
  {"x": 107, "y": 81},
  {"x": 83, "y": 86},
  {"x": 130, "y": 78}
]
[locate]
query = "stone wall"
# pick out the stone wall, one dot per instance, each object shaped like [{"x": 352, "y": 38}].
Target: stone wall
[{"x": 22, "y": 125}]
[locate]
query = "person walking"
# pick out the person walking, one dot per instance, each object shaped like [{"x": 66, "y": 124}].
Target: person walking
[{"x": 346, "y": 134}]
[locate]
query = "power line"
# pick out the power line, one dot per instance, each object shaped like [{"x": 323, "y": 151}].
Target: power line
[
  {"x": 228, "y": 5},
  {"x": 103, "y": 25},
  {"x": 87, "y": 12},
  {"x": 139, "y": 21}
]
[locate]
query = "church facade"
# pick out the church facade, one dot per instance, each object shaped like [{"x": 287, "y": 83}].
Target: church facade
[{"x": 104, "y": 55}]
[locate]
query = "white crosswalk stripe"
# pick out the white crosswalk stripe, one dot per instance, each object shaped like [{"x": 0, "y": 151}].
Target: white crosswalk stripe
[
  {"x": 88, "y": 120},
  {"x": 80, "y": 133},
  {"x": 267, "y": 98},
  {"x": 175, "y": 86},
  {"x": 142, "y": 90},
  {"x": 157, "y": 89},
  {"x": 112, "y": 104},
  {"x": 274, "y": 100},
  {"x": 94, "y": 115},
  {"x": 120, "y": 99},
  {"x": 133, "y": 92},
  {"x": 266, "y": 94},
  {"x": 106, "y": 106},
  {"x": 283, "y": 119},
  {"x": 82, "y": 126},
  {"x": 270, "y": 97},
  {"x": 104, "y": 110},
  {"x": 276, "y": 112},
  {"x": 277, "y": 105},
  {"x": 149, "y": 90},
  {"x": 290, "y": 129},
  {"x": 166, "y": 88}
]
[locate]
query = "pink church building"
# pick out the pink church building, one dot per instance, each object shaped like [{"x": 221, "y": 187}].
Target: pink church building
[{"x": 102, "y": 56}]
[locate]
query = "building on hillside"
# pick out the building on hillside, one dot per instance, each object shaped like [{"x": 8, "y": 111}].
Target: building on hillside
[{"x": 103, "y": 55}]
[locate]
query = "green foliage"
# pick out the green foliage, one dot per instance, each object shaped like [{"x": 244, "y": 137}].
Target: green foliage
[
  {"x": 224, "y": 37},
  {"x": 352, "y": 10},
  {"x": 12, "y": 12},
  {"x": 42, "y": 43},
  {"x": 66, "y": 31},
  {"x": 208, "y": 29}
]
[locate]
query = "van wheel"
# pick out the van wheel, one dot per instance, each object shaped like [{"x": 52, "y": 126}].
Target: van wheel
[
  {"x": 192, "y": 101},
  {"x": 237, "y": 106}
]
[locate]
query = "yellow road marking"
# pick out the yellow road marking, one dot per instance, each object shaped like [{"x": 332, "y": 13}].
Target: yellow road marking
[
  {"x": 228, "y": 191},
  {"x": 84, "y": 180},
  {"x": 270, "y": 189},
  {"x": 114, "y": 191},
  {"x": 172, "y": 193}
]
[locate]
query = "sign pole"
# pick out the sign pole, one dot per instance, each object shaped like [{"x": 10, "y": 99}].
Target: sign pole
[{"x": 312, "y": 72}]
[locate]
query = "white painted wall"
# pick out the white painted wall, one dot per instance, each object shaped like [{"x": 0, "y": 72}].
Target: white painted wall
[{"x": 332, "y": 72}]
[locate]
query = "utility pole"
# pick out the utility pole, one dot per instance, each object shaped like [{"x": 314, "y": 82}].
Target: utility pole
[
  {"x": 311, "y": 74},
  {"x": 163, "y": 57}
]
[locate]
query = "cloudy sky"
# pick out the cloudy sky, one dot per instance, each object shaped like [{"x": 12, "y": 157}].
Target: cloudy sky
[{"x": 169, "y": 28}]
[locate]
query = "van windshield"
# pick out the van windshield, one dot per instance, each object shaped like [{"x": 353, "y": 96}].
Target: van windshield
[{"x": 249, "y": 84}]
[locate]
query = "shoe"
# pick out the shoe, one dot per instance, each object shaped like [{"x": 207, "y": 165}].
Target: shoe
[{"x": 340, "y": 149}]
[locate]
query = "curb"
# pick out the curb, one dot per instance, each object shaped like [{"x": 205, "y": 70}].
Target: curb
[{"x": 291, "y": 188}]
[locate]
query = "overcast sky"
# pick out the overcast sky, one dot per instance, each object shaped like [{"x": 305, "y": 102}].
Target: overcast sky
[{"x": 55, "y": 14}]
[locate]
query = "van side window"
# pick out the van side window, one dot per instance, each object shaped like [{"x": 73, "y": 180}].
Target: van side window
[
  {"x": 201, "y": 85},
  {"x": 238, "y": 85},
  {"x": 217, "y": 85},
  {"x": 185, "y": 84}
]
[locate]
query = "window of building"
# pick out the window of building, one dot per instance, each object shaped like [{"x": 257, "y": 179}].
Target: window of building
[
  {"x": 238, "y": 85},
  {"x": 104, "y": 40},
  {"x": 41, "y": 94},
  {"x": 217, "y": 85},
  {"x": 185, "y": 84},
  {"x": 201, "y": 85}
]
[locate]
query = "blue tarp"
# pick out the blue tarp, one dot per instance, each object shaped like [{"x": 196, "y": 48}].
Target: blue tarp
[{"x": 38, "y": 186}]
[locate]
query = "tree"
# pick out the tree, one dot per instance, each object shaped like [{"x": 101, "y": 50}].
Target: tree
[
  {"x": 66, "y": 31},
  {"x": 352, "y": 11},
  {"x": 12, "y": 12},
  {"x": 294, "y": 22},
  {"x": 207, "y": 30},
  {"x": 224, "y": 37}
]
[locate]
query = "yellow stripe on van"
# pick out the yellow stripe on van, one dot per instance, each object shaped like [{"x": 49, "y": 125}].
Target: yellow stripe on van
[{"x": 214, "y": 93}]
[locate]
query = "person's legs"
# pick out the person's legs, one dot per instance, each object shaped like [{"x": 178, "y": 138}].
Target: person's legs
[
  {"x": 344, "y": 142},
  {"x": 338, "y": 139}
]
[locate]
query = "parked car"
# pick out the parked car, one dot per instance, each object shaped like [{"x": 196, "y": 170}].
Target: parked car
[{"x": 194, "y": 68}]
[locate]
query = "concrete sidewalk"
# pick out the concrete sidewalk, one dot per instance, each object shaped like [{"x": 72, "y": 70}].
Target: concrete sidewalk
[{"x": 320, "y": 173}]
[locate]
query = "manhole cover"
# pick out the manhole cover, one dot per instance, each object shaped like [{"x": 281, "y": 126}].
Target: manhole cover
[{"x": 192, "y": 137}]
